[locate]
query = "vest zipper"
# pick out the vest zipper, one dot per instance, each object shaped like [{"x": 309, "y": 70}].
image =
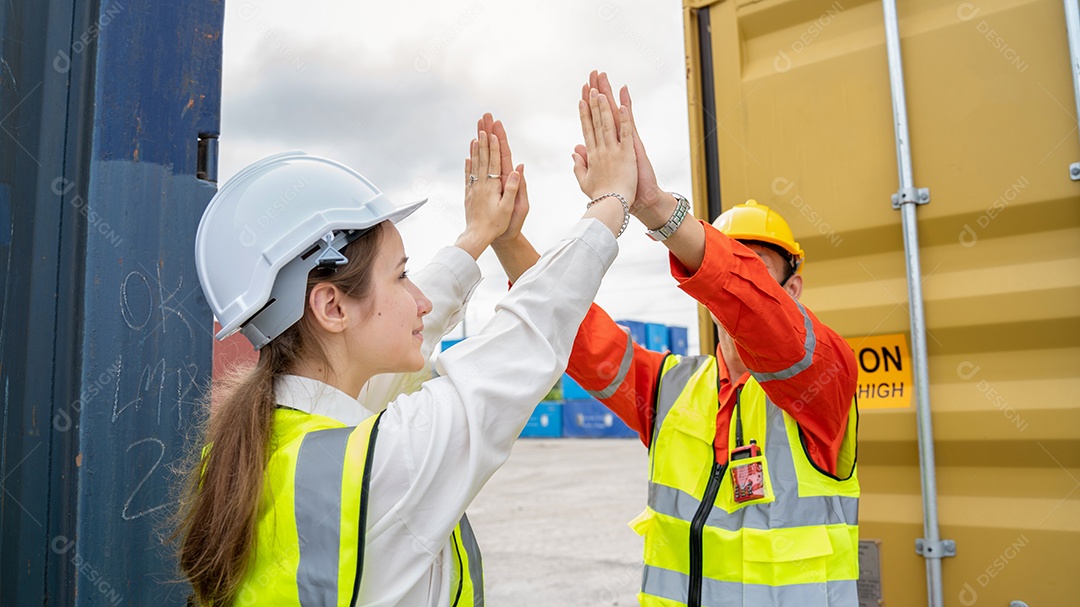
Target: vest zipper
[
  {"x": 697, "y": 526},
  {"x": 461, "y": 568}
]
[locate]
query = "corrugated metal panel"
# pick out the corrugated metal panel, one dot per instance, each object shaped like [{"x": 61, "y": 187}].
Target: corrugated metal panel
[
  {"x": 804, "y": 124},
  {"x": 39, "y": 368},
  {"x": 105, "y": 335}
]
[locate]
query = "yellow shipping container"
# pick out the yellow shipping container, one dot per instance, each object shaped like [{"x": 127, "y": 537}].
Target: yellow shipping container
[{"x": 790, "y": 104}]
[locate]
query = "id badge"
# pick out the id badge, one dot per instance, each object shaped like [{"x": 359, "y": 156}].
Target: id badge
[{"x": 747, "y": 477}]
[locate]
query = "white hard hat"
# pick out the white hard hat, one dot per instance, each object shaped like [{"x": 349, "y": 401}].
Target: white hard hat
[{"x": 269, "y": 226}]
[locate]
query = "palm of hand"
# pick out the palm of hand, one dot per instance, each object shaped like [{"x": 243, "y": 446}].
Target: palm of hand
[{"x": 608, "y": 164}]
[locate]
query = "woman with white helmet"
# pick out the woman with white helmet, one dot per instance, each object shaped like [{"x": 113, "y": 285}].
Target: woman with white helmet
[{"x": 305, "y": 495}]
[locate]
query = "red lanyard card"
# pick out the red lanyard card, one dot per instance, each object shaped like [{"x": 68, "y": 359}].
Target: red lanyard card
[{"x": 747, "y": 478}]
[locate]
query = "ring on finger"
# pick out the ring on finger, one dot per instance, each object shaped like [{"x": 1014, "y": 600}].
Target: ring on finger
[
  {"x": 472, "y": 179},
  {"x": 493, "y": 175}
]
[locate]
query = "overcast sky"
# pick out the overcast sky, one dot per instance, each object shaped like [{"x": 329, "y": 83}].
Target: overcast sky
[{"x": 394, "y": 90}]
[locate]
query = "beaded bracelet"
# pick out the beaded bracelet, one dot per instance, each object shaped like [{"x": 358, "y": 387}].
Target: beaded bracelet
[{"x": 625, "y": 208}]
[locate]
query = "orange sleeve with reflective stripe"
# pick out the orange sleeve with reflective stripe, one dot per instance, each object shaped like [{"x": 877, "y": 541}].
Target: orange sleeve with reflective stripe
[
  {"x": 810, "y": 374},
  {"x": 625, "y": 381}
]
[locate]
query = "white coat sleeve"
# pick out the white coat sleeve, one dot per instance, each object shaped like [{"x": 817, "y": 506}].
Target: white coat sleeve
[
  {"x": 436, "y": 448},
  {"x": 448, "y": 281}
]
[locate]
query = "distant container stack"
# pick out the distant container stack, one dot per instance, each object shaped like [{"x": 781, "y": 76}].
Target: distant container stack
[
  {"x": 656, "y": 337},
  {"x": 589, "y": 418},
  {"x": 447, "y": 343},
  {"x": 677, "y": 340},
  {"x": 637, "y": 330},
  {"x": 546, "y": 421},
  {"x": 572, "y": 391},
  {"x": 568, "y": 411}
]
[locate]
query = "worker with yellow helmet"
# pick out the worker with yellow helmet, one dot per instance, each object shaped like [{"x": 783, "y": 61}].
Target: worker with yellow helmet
[{"x": 753, "y": 493}]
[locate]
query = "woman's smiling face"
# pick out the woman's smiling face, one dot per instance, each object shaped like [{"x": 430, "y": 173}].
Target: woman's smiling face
[{"x": 387, "y": 324}]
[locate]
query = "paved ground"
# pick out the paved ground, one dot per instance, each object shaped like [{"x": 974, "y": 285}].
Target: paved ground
[{"x": 552, "y": 524}]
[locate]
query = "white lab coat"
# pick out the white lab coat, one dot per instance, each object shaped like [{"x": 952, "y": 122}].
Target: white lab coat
[{"x": 441, "y": 440}]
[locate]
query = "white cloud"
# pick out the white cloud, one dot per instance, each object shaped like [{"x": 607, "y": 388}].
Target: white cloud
[{"x": 394, "y": 90}]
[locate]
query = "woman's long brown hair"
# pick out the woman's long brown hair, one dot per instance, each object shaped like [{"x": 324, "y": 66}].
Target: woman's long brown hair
[{"x": 219, "y": 506}]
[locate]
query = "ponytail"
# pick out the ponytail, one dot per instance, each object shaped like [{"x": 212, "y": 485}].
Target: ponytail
[
  {"x": 218, "y": 527},
  {"x": 219, "y": 507}
]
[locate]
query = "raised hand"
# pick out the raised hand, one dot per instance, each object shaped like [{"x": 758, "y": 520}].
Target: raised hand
[
  {"x": 521, "y": 201},
  {"x": 489, "y": 205},
  {"x": 611, "y": 165},
  {"x": 648, "y": 191}
]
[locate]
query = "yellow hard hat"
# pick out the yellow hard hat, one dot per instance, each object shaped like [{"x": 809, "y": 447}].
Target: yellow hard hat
[{"x": 753, "y": 221}]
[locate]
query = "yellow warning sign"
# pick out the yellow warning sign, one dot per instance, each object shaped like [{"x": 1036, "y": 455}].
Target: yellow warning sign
[{"x": 884, "y": 371}]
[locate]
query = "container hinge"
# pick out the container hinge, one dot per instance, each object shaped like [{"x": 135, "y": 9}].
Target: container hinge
[
  {"x": 1074, "y": 171},
  {"x": 206, "y": 164},
  {"x": 916, "y": 195},
  {"x": 935, "y": 550}
]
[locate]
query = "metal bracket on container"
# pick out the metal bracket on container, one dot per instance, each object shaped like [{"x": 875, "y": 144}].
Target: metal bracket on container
[
  {"x": 1074, "y": 171},
  {"x": 916, "y": 195},
  {"x": 206, "y": 163},
  {"x": 935, "y": 550}
]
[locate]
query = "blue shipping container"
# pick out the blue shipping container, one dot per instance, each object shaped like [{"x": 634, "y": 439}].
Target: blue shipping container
[
  {"x": 591, "y": 419},
  {"x": 571, "y": 390},
  {"x": 116, "y": 106},
  {"x": 637, "y": 330},
  {"x": 656, "y": 337},
  {"x": 678, "y": 340},
  {"x": 546, "y": 421}
]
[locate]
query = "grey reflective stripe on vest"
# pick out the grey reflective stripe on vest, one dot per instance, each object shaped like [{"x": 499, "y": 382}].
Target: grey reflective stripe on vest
[
  {"x": 672, "y": 385},
  {"x": 804, "y": 512},
  {"x": 624, "y": 368},
  {"x": 808, "y": 357},
  {"x": 782, "y": 468},
  {"x": 673, "y": 586},
  {"x": 476, "y": 562},
  {"x": 788, "y": 510},
  {"x": 319, "y": 467}
]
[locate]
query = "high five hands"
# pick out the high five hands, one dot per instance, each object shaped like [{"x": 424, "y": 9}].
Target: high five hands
[
  {"x": 652, "y": 206},
  {"x": 490, "y": 193},
  {"x": 487, "y": 124},
  {"x": 612, "y": 161},
  {"x": 647, "y": 190},
  {"x": 611, "y": 166}
]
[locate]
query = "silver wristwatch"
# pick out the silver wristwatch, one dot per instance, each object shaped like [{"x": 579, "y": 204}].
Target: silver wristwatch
[{"x": 681, "y": 211}]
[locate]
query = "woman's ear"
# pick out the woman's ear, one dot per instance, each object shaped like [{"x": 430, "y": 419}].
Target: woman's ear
[{"x": 326, "y": 303}]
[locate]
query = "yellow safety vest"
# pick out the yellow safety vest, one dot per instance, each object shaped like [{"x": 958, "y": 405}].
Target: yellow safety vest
[
  {"x": 798, "y": 545},
  {"x": 312, "y": 519}
]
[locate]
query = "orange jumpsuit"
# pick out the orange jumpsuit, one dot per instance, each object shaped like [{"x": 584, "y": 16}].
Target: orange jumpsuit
[{"x": 769, "y": 333}]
